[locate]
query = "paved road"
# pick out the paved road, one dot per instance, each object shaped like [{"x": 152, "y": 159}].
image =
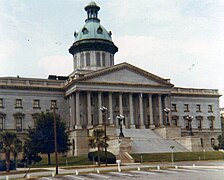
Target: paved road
[
  {"x": 168, "y": 174},
  {"x": 212, "y": 170}
]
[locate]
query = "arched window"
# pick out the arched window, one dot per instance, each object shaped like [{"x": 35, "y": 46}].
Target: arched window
[
  {"x": 98, "y": 59},
  {"x": 82, "y": 60},
  {"x": 111, "y": 59},
  {"x": 75, "y": 61},
  {"x": 84, "y": 31},
  {"x": 99, "y": 30},
  {"x": 87, "y": 59},
  {"x": 212, "y": 142},
  {"x": 103, "y": 60}
]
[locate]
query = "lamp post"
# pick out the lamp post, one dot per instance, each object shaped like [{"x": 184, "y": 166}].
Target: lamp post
[
  {"x": 103, "y": 110},
  {"x": 120, "y": 119},
  {"x": 172, "y": 159},
  {"x": 55, "y": 142},
  {"x": 190, "y": 118},
  {"x": 167, "y": 110}
]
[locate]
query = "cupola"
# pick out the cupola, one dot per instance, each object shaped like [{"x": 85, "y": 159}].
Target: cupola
[{"x": 93, "y": 47}]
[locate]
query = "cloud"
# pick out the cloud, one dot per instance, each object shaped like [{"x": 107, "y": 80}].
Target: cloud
[{"x": 56, "y": 65}]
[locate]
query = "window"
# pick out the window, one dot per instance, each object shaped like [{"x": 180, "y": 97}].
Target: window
[
  {"x": 186, "y": 108},
  {"x": 84, "y": 31},
  {"x": 92, "y": 119},
  {"x": 1, "y": 103},
  {"x": 199, "y": 123},
  {"x": 36, "y": 104},
  {"x": 99, "y": 30},
  {"x": 174, "y": 108},
  {"x": 98, "y": 59},
  {"x": 116, "y": 102},
  {"x": 111, "y": 59},
  {"x": 82, "y": 60},
  {"x": 19, "y": 123},
  {"x": 18, "y": 103},
  {"x": 1, "y": 123},
  {"x": 202, "y": 143},
  {"x": 53, "y": 104},
  {"x": 211, "y": 124},
  {"x": 210, "y": 110},
  {"x": 124, "y": 102},
  {"x": 87, "y": 59},
  {"x": 103, "y": 59},
  {"x": 175, "y": 120},
  {"x": 212, "y": 142},
  {"x": 198, "y": 108}
]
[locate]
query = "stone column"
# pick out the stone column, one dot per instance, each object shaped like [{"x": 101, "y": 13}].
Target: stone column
[
  {"x": 151, "y": 125},
  {"x": 78, "y": 123},
  {"x": 160, "y": 110},
  {"x": 71, "y": 111},
  {"x": 110, "y": 109},
  {"x": 132, "y": 124},
  {"x": 142, "y": 126},
  {"x": 120, "y": 104},
  {"x": 89, "y": 110},
  {"x": 169, "y": 106},
  {"x": 99, "y": 106}
]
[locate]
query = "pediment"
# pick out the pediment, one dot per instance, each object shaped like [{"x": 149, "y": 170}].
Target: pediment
[{"x": 125, "y": 73}]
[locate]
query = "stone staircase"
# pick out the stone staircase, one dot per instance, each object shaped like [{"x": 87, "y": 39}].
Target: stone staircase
[{"x": 147, "y": 141}]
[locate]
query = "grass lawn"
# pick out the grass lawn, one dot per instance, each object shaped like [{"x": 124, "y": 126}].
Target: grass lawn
[{"x": 179, "y": 156}]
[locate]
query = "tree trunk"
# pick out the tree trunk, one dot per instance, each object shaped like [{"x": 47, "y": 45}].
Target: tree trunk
[
  {"x": 98, "y": 155},
  {"x": 49, "y": 158},
  {"x": 7, "y": 160}
]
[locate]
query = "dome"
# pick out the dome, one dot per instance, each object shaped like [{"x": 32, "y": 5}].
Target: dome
[{"x": 93, "y": 30}]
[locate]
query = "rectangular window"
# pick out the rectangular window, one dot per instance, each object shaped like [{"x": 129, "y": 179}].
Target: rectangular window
[
  {"x": 211, "y": 124},
  {"x": 186, "y": 108},
  {"x": 18, "y": 103},
  {"x": 19, "y": 123},
  {"x": 199, "y": 124},
  {"x": 124, "y": 102},
  {"x": 1, "y": 123},
  {"x": 187, "y": 123},
  {"x": 210, "y": 108},
  {"x": 53, "y": 104},
  {"x": 36, "y": 104},
  {"x": 1, "y": 103},
  {"x": 198, "y": 108},
  {"x": 116, "y": 102},
  {"x": 174, "y": 108}
]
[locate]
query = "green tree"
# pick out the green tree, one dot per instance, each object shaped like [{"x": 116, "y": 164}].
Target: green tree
[
  {"x": 221, "y": 142},
  {"x": 97, "y": 140},
  {"x": 9, "y": 142},
  {"x": 41, "y": 137}
]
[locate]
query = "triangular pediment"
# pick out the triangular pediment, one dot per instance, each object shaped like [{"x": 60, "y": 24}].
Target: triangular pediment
[{"x": 124, "y": 73}]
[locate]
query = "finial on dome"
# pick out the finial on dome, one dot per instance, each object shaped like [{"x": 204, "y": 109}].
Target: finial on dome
[{"x": 92, "y": 11}]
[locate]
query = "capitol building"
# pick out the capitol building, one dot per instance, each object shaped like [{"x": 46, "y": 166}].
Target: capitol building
[{"x": 153, "y": 113}]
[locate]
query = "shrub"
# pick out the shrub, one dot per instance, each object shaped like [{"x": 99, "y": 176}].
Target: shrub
[
  {"x": 3, "y": 165},
  {"x": 111, "y": 158}
]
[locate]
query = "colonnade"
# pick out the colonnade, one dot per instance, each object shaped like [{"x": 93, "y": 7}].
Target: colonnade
[{"x": 141, "y": 110}]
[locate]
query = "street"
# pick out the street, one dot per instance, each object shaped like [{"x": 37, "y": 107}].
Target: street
[{"x": 174, "y": 174}]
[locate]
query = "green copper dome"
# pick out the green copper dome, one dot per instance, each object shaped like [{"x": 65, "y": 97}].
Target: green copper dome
[
  {"x": 93, "y": 36},
  {"x": 92, "y": 29}
]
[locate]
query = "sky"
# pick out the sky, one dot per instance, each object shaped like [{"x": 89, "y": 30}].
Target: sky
[{"x": 182, "y": 40}]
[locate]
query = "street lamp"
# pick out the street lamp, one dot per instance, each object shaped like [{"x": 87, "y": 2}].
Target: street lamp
[
  {"x": 120, "y": 119},
  {"x": 172, "y": 159},
  {"x": 55, "y": 141},
  {"x": 167, "y": 110},
  {"x": 104, "y": 110},
  {"x": 190, "y": 118}
]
